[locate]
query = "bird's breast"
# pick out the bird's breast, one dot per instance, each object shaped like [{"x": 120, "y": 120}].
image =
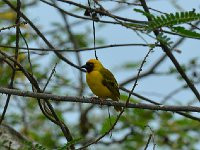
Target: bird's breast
[{"x": 94, "y": 80}]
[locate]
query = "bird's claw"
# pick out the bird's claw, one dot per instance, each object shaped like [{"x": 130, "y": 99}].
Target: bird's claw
[
  {"x": 98, "y": 98},
  {"x": 101, "y": 102}
]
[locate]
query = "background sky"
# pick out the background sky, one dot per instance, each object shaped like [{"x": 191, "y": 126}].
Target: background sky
[{"x": 153, "y": 87}]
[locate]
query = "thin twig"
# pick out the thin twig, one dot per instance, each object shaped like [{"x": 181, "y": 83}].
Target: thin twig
[
  {"x": 52, "y": 72},
  {"x": 13, "y": 26},
  {"x": 27, "y": 47},
  {"x": 148, "y": 141},
  {"x": 93, "y": 29},
  {"x": 83, "y": 49}
]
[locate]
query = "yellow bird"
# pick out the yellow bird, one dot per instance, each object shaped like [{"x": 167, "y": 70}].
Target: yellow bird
[{"x": 101, "y": 81}]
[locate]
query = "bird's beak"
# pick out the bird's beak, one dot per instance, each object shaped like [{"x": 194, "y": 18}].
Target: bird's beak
[
  {"x": 84, "y": 66},
  {"x": 88, "y": 67}
]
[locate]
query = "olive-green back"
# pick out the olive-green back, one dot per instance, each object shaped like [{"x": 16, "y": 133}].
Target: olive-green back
[{"x": 110, "y": 82}]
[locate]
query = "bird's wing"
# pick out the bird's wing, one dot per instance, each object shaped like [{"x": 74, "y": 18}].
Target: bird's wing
[{"x": 110, "y": 82}]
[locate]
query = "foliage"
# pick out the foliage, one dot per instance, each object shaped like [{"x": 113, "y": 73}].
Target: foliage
[
  {"x": 182, "y": 31},
  {"x": 164, "y": 39},
  {"x": 170, "y": 20}
]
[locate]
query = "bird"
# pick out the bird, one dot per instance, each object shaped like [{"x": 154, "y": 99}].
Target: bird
[{"x": 101, "y": 81}]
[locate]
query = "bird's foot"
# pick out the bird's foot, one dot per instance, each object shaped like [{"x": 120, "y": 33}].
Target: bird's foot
[
  {"x": 93, "y": 99},
  {"x": 101, "y": 102}
]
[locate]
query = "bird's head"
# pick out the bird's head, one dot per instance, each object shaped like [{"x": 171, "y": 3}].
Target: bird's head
[{"x": 92, "y": 65}]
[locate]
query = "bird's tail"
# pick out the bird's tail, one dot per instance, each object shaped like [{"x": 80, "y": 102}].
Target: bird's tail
[{"x": 118, "y": 108}]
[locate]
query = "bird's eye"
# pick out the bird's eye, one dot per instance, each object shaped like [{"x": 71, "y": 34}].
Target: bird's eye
[{"x": 90, "y": 64}]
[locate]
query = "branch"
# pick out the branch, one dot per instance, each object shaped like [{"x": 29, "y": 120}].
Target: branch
[
  {"x": 74, "y": 99},
  {"x": 13, "y": 26},
  {"x": 82, "y": 49},
  {"x": 156, "y": 103}
]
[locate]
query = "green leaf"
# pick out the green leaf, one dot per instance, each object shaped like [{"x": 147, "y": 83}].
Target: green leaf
[
  {"x": 108, "y": 122},
  {"x": 184, "y": 32},
  {"x": 39, "y": 147},
  {"x": 171, "y": 19},
  {"x": 131, "y": 65},
  {"x": 164, "y": 39},
  {"x": 74, "y": 141},
  {"x": 124, "y": 97},
  {"x": 144, "y": 13}
]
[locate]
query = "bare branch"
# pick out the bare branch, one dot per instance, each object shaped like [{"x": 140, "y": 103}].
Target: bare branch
[
  {"x": 74, "y": 99},
  {"x": 80, "y": 49}
]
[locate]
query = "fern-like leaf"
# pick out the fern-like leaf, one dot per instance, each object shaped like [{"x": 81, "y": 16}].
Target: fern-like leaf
[
  {"x": 164, "y": 39},
  {"x": 169, "y": 20},
  {"x": 143, "y": 12},
  {"x": 184, "y": 32}
]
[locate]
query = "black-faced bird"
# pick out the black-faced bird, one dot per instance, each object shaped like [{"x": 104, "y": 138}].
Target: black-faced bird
[{"x": 101, "y": 81}]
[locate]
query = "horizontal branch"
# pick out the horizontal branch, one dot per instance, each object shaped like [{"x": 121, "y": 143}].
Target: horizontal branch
[
  {"x": 81, "y": 49},
  {"x": 97, "y": 101}
]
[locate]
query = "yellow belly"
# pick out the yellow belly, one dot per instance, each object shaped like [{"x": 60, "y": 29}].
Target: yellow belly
[{"x": 94, "y": 81}]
